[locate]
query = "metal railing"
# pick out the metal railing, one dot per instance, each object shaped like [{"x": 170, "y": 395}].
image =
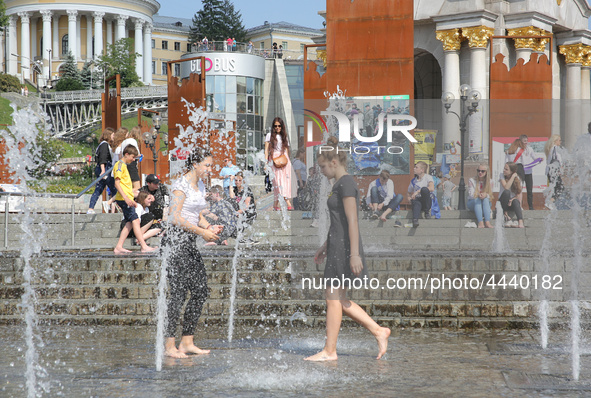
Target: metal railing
[
  {"x": 95, "y": 95},
  {"x": 49, "y": 195},
  {"x": 222, "y": 46}
]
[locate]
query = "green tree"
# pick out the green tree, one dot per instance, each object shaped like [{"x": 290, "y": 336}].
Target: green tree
[
  {"x": 120, "y": 59},
  {"x": 217, "y": 20},
  {"x": 69, "y": 84},
  {"x": 9, "y": 83},
  {"x": 3, "y": 16},
  {"x": 69, "y": 69},
  {"x": 91, "y": 78}
]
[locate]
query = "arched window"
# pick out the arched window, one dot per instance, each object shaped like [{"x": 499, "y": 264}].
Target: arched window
[{"x": 65, "y": 44}]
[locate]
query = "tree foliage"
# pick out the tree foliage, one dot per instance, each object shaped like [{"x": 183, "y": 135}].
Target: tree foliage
[
  {"x": 217, "y": 20},
  {"x": 69, "y": 68},
  {"x": 91, "y": 78},
  {"x": 69, "y": 84},
  {"x": 120, "y": 58},
  {"x": 3, "y": 16},
  {"x": 9, "y": 83}
]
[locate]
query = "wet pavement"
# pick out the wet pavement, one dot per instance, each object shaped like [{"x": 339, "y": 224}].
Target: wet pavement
[{"x": 119, "y": 362}]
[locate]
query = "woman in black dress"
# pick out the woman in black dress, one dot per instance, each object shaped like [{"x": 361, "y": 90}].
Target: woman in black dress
[{"x": 345, "y": 258}]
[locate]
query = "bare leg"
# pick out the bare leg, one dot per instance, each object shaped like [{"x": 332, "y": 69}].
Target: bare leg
[
  {"x": 334, "y": 316},
  {"x": 355, "y": 312},
  {"x": 124, "y": 233},
  {"x": 170, "y": 349},
  {"x": 187, "y": 346},
  {"x": 287, "y": 202},
  {"x": 385, "y": 214},
  {"x": 138, "y": 234},
  {"x": 152, "y": 232}
]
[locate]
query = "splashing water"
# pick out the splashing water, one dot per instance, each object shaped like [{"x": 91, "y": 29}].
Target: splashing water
[
  {"x": 500, "y": 244},
  {"x": 23, "y": 155}
]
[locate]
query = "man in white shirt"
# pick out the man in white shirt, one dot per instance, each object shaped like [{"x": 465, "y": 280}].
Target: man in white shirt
[{"x": 381, "y": 196}]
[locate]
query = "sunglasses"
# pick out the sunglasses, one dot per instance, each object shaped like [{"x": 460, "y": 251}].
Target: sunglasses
[
  {"x": 482, "y": 171},
  {"x": 277, "y": 125}
]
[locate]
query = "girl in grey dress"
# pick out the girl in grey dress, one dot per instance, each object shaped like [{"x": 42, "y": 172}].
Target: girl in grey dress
[{"x": 344, "y": 253}]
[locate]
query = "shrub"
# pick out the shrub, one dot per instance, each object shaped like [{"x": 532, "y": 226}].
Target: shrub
[
  {"x": 68, "y": 84},
  {"x": 9, "y": 83}
]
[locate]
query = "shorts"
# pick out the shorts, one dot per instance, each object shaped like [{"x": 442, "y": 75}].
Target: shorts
[
  {"x": 133, "y": 171},
  {"x": 129, "y": 213}
]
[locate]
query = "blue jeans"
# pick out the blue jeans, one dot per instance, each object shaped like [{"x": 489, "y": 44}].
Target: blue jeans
[
  {"x": 377, "y": 198},
  {"x": 101, "y": 185},
  {"x": 481, "y": 207}
]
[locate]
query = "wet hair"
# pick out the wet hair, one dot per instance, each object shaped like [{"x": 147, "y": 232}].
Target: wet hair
[
  {"x": 338, "y": 153},
  {"x": 550, "y": 144},
  {"x": 516, "y": 187},
  {"x": 273, "y": 140},
  {"x": 130, "y": 149},
  {"x": 487, "y": 188},
  {"x": 197, "y": 156},
  {"x": 135, "y": 133},
  {"x": 107, "y": 135}
]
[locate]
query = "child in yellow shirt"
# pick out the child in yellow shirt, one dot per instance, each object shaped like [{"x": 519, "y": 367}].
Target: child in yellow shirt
[{"x": 124, "y": 199}]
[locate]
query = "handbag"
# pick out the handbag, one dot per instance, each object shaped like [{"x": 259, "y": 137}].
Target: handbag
[{"x": 280, "y": 161}]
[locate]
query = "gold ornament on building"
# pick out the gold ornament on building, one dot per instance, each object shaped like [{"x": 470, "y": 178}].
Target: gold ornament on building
[
  {"x": 531, "y": 43},
  {"x": 451, "y": 39},
  {"x": 321, "y": 54},
  {"x": 573, "y": 52},
  {"x": 586, "y": 56},
  {"x": 478, "y": 35}
]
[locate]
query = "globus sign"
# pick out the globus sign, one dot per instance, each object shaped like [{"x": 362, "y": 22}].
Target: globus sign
[{"x": 215, "y": 64}]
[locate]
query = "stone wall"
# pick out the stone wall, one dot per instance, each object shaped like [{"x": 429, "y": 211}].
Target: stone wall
[{"x": 93, "y": 289}]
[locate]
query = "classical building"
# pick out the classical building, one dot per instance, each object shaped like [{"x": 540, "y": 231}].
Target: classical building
[{"x": 290, "y": 36}]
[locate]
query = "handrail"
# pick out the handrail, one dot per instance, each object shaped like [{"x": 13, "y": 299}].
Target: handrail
[{"x": 49, "y": 195}]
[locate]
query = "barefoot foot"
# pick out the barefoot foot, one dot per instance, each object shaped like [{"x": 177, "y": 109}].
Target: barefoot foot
[
  {"x": 192, "y": 349},
  {"x": 148, "y": 249},
  {"x": 121, "y": 251},
  {"x": 322, "y": 356},
  {"x": 480, "y": 224},
  {"x": 382, "y": 338},
  {"x": 488, "y": 224},
  {"x": 174, "y": 353}
]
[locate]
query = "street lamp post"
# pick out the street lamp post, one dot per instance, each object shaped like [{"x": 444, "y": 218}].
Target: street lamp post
[
  {"x": 466, "y": 110},
  {"x": 49, "y": 77},
  {"x": 151, "y": 138}
]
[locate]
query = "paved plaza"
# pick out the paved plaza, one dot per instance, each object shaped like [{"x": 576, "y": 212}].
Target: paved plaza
[{"x": 119, "y": 362}]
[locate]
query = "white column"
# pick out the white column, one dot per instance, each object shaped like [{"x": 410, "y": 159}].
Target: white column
[
  {"x": 11, "y": 44},
  {"x": 98, "y": 33},
  {"x": 524, "y": 53},
  {"x": 121, "y": 27},
  {"x": 89, "y": 53},
  {"x": 585, "y": 94},
  {"x": 478, "y": 68},
  {"x": 55, "y": 53},
  {"x": 451, "y": 83},
  {"x": 47, "y": 42},
  {"x": 25, "y": 55},
  {"x": 148, "y": 53},
  {"x": 78, "y": 37},
  {"x": 33, "y": 33},
  {"x": 72, "y": 47},
  {"x": 139, "y": 46},
  {"x": 109, "y": 31},
  {"x": 573, "y": 108}
]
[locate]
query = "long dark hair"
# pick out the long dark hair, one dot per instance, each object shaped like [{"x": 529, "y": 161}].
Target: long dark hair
[
  {"x": 516, "y": 187},
  {"x": 196, "y": 157},
  {"x": 273, "y": 141}
]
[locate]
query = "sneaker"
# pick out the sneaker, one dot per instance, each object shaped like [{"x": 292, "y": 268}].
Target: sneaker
[
  {"x": 515, "y": 224},
  {"x": 314, "y": 224},
  {"x": 550, "y": 206},
  {"x": 375, "y": 215},
  {"x": 427, "y": 215},
  {"x": 90, "y": 211},
  {"x": 509, "y": 224},
  {"x": 415, "y": 223},
  {"x": 397, "y": 224}
]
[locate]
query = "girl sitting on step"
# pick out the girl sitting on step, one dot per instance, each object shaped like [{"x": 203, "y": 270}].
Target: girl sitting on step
[
  {"x": 479, "y": 195},
  {"x": 510, "y": 195}
]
